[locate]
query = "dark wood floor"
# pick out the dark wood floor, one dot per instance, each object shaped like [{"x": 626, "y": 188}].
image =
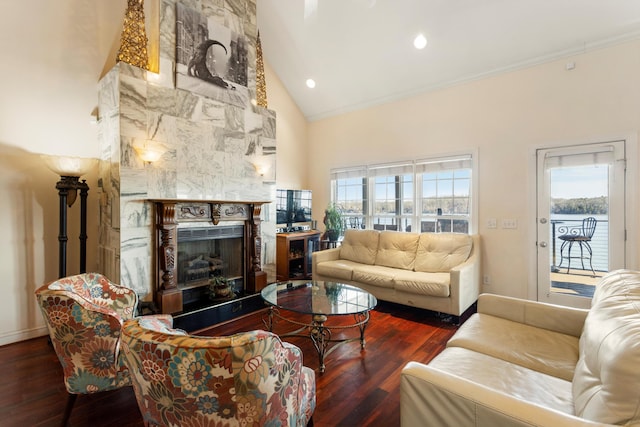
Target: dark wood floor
[{"x": 357, "y": 389}]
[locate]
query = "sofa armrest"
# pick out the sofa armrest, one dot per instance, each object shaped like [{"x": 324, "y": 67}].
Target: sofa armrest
[
  {"x": 446, "y": 400},
  {"x": 322, "y": 256},
  {"x": 566, "y": 320},
  {"x": 465, "y": 279}
]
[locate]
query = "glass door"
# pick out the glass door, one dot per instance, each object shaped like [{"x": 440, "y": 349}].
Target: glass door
[{"x": 580, "y": 219}]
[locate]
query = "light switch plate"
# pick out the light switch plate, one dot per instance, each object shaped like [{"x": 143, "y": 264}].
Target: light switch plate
[{"x": 510, "y": 223}]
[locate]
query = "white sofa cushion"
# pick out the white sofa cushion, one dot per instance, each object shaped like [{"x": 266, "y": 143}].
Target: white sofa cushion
[
  {"x": 417, "y": 282},
  {"x": 605, "y": 385},
  {"x": 375, "y": 275},
  {"x": 397, "y": 249},
  {"x": 360, "y": 246},
  {"x": 339, "y": 269},
  {"x": 535, "y": 348},
  {"x": 440, "y": 252},
  {"x": 511, "y": 379}
]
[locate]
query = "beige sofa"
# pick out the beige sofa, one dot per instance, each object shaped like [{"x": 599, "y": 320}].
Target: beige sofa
[
  {"x": 524, "y": 363},
  {"x": 435, "y": 271}
]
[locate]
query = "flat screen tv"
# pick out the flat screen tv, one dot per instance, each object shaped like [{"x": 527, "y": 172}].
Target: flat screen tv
[{"x": 293, "y": 206}]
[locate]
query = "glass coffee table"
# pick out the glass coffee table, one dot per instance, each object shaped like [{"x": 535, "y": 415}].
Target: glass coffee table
[{"x": 320, "y": 300}]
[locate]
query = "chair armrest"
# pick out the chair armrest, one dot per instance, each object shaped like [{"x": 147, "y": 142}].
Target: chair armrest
[
  {"x": 566, "y": 320},
  {"x": 90, "y": 305},
  {"x": 446, "y": 400},
  {"x": 164, "y": 319},
  {"x": 127, "y": 305}
]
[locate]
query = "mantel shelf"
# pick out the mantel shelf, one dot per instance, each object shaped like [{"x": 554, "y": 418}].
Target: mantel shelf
[{"x": 226, "y": 202}]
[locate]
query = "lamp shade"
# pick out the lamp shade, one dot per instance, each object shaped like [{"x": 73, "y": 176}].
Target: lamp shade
[
  {"x": 69, "y": 166},
  {"x": 149, "y": 151}
]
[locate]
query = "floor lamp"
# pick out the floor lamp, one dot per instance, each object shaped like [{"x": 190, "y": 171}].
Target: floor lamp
[{"x": 70, "y": 170}]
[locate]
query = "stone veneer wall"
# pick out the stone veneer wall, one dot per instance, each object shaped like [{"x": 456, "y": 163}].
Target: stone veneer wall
[{"x": 210, "y": 144}]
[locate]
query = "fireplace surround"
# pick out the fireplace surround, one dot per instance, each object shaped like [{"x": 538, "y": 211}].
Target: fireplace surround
[
  {"x": 212, "y": 142},
  {"x": 196, "y": 240}
]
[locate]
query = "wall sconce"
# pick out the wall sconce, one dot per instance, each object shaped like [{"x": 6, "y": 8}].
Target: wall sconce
[
  {"x": 70, "y": 170},
  {"x": 149, "y": 151},
  {"x": 261, "y": 165}
]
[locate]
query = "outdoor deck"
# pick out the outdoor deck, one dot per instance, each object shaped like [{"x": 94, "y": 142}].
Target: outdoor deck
[{"x": 577, "y": 282}]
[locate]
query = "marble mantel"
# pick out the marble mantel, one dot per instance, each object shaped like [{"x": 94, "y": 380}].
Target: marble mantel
[{"x": 173, "y": 213}]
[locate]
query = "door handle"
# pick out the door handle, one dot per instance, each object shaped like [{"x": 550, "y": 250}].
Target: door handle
[{"x": 542, "y": 244}]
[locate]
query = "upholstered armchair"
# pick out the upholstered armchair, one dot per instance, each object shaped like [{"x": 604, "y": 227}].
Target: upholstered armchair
[
  {"x": 84, "y": 314},
  {"x": 247, "y": 379}
]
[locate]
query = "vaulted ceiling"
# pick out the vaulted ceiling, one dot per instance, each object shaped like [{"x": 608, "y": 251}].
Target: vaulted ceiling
[{"x": 360, "y": 52}]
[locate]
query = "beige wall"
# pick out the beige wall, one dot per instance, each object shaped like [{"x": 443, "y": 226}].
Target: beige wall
[
  {"x": 505, "y": 118},
  {"x": 52, "y": 61},
  {"x": 291, "y": 133}
]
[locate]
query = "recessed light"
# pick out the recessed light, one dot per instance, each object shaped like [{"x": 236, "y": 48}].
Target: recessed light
[
  {"x": 311, "y": 83},
  {"x": 420, "y": 41}
]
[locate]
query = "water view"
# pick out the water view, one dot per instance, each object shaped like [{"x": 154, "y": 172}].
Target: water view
[{"x": 599, "y": 242}]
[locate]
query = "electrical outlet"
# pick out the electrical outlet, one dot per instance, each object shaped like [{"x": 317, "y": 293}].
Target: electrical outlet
[{"x": 486, "y": 280}]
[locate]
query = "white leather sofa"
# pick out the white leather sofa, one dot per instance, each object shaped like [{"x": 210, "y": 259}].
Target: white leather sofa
[
  {"x": 524, "y": 363},
  {"x": 434, "y": 271}
]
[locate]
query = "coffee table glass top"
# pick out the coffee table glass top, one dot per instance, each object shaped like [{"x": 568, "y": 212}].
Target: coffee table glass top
[{"x": 318, "y": 297}]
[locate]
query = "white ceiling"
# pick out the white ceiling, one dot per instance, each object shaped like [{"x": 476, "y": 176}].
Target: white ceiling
[{"x": 360, "y": 52}]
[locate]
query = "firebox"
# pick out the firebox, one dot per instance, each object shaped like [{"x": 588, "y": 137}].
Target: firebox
[{"x": 206, "y": 256}]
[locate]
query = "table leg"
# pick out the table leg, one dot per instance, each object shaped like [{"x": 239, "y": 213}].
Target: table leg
[
  {"x": 361, "y": 320},
  {"x": 320, "y": 336},
  {"x": 268, "y": 322}
]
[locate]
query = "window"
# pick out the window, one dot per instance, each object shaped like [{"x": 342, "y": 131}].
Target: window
[
  {"x": 392, "y": 196},
  {"x": 426, "y": 195},
  {"x": 350, "y": 194}
]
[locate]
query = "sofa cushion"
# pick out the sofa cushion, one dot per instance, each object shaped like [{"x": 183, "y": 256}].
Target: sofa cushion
[
  {"x": 606, "y": 385},
  {"x": 417, "y": 282},
  {"x": 360, "y": 246},
  {"x": 535, "y": 348},
  {"x": 440, "y": 252},
  {"x": 505, "y": 377},
  {"x": 375, "y": 275},
  {"x": 339, "y": 269},
  {"x": 397, "y": 249}
]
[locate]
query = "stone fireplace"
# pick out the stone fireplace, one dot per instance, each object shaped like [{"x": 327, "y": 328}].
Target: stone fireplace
[{"x": 212, "y": 142}]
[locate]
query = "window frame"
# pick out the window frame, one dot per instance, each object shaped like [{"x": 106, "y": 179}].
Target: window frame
[{"x": 369, "y": 173}]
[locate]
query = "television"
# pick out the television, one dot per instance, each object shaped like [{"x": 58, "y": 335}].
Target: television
[{"x": 293, "y": 206}]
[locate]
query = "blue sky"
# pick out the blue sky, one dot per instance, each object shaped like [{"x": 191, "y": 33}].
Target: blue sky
[{"x": 579, "y": 181}]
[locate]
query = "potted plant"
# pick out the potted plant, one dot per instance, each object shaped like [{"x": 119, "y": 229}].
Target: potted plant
[
  {"x": 333, "y": 291},
  {"x": 219, "y": 287},
  {"x": 333, "y": 222}
]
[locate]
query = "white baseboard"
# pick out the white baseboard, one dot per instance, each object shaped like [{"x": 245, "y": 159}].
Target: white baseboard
[{"x": 27, "y": 334}]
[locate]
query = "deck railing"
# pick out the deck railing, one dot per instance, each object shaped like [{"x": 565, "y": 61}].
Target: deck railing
[{"x": 599, "y": 244}]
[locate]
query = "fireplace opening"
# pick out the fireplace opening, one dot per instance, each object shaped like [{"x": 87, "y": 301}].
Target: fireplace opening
[{"x": 209, "y": 256}]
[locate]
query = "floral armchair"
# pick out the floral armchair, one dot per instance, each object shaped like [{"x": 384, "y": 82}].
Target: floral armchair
[
  {"x": 247, "y": 379},
  {"x": 84, "y": 314}
]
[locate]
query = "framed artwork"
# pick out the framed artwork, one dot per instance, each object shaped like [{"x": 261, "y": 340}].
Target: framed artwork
[{"x": 211, "y": 60}]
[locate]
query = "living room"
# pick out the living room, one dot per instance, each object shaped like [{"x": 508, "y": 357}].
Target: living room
[{"x": 54, "y": 59}]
